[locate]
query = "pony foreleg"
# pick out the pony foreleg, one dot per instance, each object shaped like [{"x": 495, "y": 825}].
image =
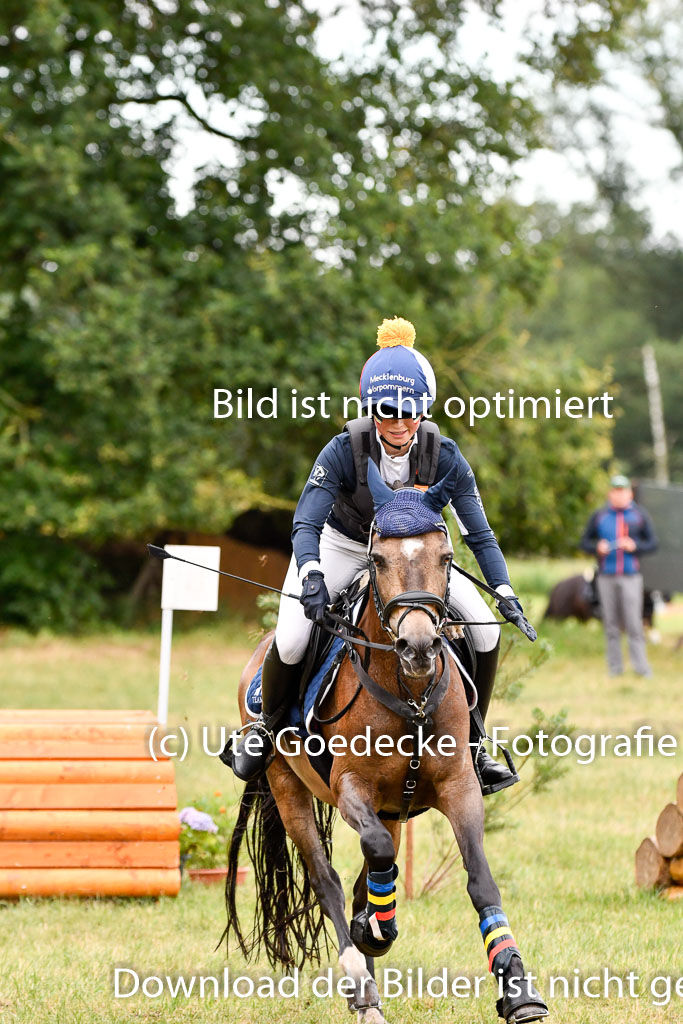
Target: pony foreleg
[
  {"x": 373, "y": 928},
  {"x": 295, "y": 807},
  {"x": 360, "y": 888},
  {"x": 519, "y": 1002}
]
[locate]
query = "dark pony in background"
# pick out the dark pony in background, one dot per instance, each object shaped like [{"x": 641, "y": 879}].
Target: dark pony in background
[
  {"x": 409, "y": 686},
  {"x": 577, "y": 597}
]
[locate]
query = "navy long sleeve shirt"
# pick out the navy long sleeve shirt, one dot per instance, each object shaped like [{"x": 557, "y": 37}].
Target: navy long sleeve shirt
[{"x": 334, "y": 469}]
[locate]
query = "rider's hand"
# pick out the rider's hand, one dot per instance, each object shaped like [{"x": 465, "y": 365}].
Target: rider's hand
[
  {"x": 603, "y": 547},
  {"x": 511, "y": 610},
  {"x": 314, "y": 596}
]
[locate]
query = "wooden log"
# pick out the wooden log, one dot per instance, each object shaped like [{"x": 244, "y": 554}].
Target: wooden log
[
  {"x": 104, "y": 825},
  {"x": 99, "y": 741},
  {"x": 89, "y": 881},
  {"x": 95, "y": 854},
  {"x": 86, "y": 795},
  {"x": 674, "y": 892},
  {"x": 670, "y": 832},
  {"x": 652, "y": 870},
  {"x": 52, "y": 772},
  {"x": 679, "y": 793},
  {"x": 676, "y": 869}
]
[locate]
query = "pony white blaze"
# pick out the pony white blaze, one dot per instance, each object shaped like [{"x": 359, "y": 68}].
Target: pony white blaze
[{"x": 411, "y": 547}]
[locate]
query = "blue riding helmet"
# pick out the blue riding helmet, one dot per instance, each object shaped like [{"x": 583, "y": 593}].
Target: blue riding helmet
[{"x": 397, "y": 380}]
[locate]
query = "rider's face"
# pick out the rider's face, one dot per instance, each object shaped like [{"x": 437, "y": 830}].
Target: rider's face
[
  {"x": 397, "y": 432},
  {"x": 620, "y": 497}
]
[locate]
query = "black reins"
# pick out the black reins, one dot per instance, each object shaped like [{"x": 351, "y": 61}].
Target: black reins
[{"x": 418, "y": 716}]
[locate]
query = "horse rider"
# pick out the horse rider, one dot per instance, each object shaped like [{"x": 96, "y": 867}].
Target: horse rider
[{"x": 331, "y": 529}]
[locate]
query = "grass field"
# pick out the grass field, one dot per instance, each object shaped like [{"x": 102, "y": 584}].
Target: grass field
[{"x": 565, "y": 869}]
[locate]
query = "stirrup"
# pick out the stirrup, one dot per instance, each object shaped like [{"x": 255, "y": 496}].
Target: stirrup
[
  {"x": 505, "y": 783},
  {"x": 245, "y": 765}
]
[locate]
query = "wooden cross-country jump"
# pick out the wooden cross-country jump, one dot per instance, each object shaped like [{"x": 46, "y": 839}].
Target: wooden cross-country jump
[{"x": 84, "y": 808}]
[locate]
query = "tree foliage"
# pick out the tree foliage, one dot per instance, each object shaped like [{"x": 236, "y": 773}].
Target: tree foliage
[
  {"x": 345, "y": 192},
  {"x": 612, "y": 291}
]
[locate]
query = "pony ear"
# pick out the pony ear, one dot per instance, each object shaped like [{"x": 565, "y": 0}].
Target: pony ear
[
  {"x": 438, "y": 495},
  {"x": 380, "y": 491}
]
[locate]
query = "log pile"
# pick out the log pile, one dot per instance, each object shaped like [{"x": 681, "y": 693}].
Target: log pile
[
  {"x": 84, "y": 807},
  {"x": 659, "y": 858}
]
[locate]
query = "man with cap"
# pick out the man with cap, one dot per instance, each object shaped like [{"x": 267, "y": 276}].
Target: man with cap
[
  {"x": 331, "y": 529},
  {"x": 618, "y": 533}
]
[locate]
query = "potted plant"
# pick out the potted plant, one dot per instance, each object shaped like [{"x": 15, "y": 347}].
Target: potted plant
[{"x": 204, "y": 836}]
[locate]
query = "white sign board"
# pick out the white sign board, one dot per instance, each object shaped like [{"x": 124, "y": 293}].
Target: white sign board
[{"x": 187, "y": 588}]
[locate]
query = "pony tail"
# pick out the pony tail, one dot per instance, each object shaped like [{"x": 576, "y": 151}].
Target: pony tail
[{"x": 288, "y": 921}]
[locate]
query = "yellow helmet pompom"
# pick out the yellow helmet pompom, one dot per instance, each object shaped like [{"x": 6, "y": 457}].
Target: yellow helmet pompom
[{"x": 395, "y": 332}]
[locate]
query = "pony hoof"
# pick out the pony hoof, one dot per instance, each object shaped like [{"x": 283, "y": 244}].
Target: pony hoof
[
  {"x": 526, "y": 1014},
  {"x": 364, "y": 940},
  {"x": 523, "y": 1007}
]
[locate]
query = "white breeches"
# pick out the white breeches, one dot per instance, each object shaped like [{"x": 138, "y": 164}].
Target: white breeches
[{"x": 341, "y": 559}]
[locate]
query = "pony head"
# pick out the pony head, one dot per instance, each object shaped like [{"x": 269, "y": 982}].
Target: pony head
[{"x": 410, "y": 554}]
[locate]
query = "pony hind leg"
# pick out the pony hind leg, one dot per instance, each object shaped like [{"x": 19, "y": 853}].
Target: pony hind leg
[
  {"x": 296, "y": 810},
  {"x": 518, "y": 1002}
]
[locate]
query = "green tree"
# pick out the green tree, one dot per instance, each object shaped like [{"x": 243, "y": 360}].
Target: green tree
[
  {"x": 611, "y": 291},
  {"x": 119, "y": 314}
]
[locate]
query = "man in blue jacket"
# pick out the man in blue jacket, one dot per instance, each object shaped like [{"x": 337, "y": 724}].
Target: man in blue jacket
[{"x": 617, "y": 533}]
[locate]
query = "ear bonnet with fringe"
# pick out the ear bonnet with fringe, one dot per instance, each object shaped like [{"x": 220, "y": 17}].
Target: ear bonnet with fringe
[{"x": 409, "y": 511}]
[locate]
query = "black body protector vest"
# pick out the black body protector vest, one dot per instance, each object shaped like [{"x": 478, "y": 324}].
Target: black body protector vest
[{"x": 355, "y": 509}]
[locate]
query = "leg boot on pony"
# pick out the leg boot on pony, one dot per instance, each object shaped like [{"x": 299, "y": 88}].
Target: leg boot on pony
[
  {"x": 492, "y": 775},
  {"x": 374, "y": 929},
  {"x": 279, "y": 682}
]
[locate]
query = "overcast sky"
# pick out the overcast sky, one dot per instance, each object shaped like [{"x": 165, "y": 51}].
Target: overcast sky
[{"x": 649, "y": 150}]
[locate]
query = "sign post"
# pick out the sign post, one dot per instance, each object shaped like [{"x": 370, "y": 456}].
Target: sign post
[{"x": 185, "y": 588}]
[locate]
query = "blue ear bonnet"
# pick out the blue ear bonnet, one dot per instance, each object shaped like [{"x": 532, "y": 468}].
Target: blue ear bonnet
[
  {"x": 407, "y": 515},
  {"x": 409, "y": 511}
]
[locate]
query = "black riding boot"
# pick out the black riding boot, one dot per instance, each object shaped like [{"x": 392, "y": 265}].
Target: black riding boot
[
  {"x": 250, "y": 756},
  {"x": 492, "y": 775}
]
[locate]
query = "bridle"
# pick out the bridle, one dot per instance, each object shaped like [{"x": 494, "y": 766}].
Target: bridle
[
  {"x": 411, "y": 600},
  {"x": 416, "y": 713}
]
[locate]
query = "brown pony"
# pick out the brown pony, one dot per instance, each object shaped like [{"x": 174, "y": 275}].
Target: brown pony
[{"x": 409, "y": 577}]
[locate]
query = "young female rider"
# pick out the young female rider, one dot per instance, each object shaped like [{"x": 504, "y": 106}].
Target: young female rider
[{"x": 331, "y": 527}]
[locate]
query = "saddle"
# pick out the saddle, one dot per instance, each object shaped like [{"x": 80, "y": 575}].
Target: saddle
[
  {"x": 323, "y": 659},
  {"x": 351, "y": 604}
]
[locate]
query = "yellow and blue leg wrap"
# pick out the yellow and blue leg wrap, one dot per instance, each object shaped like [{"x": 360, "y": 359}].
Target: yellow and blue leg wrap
[
  {"x": 501, "y": 948},
  {"x": 498, "y": 939},
  {"x": 374, "y": 929}
]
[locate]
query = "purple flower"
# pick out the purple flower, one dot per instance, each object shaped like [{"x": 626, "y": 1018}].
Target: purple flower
[{"x": 198, "y": 820}]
